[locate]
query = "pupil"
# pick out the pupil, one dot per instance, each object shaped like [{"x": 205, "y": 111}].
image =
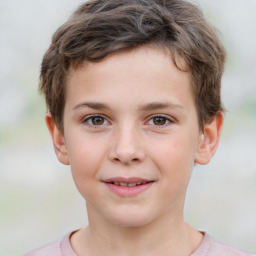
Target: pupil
[
  {"x": 159, "y": 120},
  {"x": 97, "y": 120}
]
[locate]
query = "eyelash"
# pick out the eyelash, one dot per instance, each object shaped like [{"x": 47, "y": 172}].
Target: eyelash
[
  {"x": 86, "y": 120},
  {"x": 167, "y": 120}
]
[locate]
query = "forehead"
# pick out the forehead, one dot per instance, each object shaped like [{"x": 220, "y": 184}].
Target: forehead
[{"x": 146, "y": 73}]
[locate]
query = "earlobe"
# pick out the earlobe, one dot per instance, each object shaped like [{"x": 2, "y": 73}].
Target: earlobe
[
  {"x": 57, "y": 139},
  {"x": 208, "y": 141}
]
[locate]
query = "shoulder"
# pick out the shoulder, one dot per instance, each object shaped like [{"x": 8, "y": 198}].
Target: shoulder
[
  {"x": 60, "y": 247},
  {"x": 217, "y": 248},
  {"x": 52, "y": 249}
]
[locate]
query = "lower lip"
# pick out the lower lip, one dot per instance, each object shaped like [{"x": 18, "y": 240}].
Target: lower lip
[{"x": 128, "y": 191}]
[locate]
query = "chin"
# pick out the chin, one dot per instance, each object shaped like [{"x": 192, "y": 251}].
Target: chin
[{"x": 130, "y": 219}]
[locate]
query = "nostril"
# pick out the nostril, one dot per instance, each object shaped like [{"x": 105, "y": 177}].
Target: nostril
[
  {"x": 126, "y": 157},
  {"x": 127, "y": 160}
]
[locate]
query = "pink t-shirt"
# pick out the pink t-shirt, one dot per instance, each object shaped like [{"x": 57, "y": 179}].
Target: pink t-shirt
[{"x": 208, "y": 247}]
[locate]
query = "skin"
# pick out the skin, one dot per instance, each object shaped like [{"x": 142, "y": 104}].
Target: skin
[{"x": 126, "y": 91}]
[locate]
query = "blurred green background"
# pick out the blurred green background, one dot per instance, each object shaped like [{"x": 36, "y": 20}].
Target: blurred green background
[{"x": 38, "y": 200}]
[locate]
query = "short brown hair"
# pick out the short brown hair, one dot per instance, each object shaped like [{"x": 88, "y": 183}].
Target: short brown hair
[{"x": 101, "y": 27}]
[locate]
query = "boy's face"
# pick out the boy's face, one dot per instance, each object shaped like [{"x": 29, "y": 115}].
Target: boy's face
[{"x": 131, "y": 119}]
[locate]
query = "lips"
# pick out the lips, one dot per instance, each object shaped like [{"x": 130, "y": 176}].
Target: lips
[
  {"x": 128, "y": 186},
  {"x": 123, "y": 184}
]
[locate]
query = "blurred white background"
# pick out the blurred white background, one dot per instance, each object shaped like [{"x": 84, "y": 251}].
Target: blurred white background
[{"x": 38, "y": 200}]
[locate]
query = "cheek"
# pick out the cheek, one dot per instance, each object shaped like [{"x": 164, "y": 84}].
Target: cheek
[
  {"x": 85, "y": 151},
  {"x": 175, "y": 165},
  {"x": 86, "y": 156},
  {"x": 175, "y": 158}
]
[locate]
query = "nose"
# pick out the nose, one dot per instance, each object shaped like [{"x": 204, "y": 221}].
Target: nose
[{"x": 126, "y": 146}]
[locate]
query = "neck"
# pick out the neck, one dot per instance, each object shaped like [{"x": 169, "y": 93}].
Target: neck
[{"x": 165, "y": 236}]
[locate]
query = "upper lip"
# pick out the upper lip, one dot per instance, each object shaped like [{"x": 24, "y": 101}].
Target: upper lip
[{"x": 127, "y": 180}]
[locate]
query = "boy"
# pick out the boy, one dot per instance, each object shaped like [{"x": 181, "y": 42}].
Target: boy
[{"x": 133, "y": 95}]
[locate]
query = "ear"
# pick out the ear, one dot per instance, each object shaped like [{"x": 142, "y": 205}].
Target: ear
[
  {"x": 57, "y": 139},
  {"x": 209, "y": 140}
]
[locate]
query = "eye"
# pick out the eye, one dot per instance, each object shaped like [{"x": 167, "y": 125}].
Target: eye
[
  {"x": 96, "y": 120},
  {"x": 159, "y": 120}
]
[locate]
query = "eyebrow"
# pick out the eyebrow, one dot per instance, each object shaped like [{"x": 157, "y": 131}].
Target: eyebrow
[
  {"x": 93, "y": 105},
  {"x": 160, "y": 105},
  {"x": 144, "y": 108}
]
